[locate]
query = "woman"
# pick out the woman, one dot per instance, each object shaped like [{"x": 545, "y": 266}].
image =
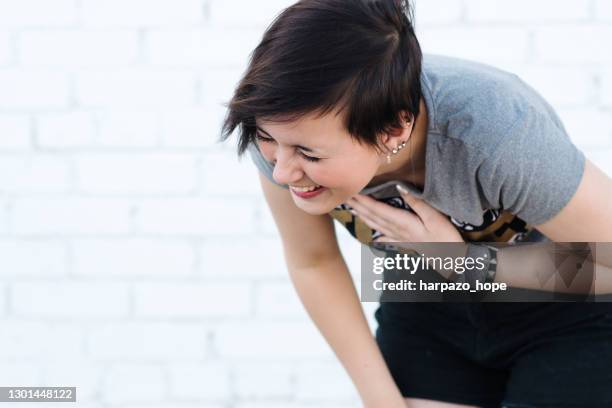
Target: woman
[{"x": 338, "y": 98}]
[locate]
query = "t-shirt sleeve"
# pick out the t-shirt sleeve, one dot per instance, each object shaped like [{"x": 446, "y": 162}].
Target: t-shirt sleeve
[
  {"x": 535, "y": 170},
  {"x": 262, "y": 164}
]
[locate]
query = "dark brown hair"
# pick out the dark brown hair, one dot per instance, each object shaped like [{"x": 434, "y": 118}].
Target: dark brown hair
[{"x": 360, "y": 58}]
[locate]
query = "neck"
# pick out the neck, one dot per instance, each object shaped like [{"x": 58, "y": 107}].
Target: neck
[{"x": 409, "y": 163}]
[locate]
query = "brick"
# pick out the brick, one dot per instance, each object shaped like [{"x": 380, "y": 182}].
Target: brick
[
  {"x": 318, "y": 381},
  {"x": 3, "y": 299},
  {"x": 78, "y": 48},
  {"x": 134, "y": 382},
  {"x": 15, "y": 131},
  {"x": 270, "y": 341},
  {"x": 193, "y": 128},
  {"x": 606, "y": 88},
  {"x": 136, "y": 173},
  {"x": 195, "y": 217},
  {"x": 437, "y": 12},
  {"x": 6, "y": 53},
  {"x": 576, "y": 44},
  {"x": 208, "y": 47},
  {"x": 266, "y": 223},
  {"x": 218, "y": 85},
  {"x": 25, "y": 258},
  {"x": 34, "y": 173},
  {"x": 257, "y": 381},
  {"x": 19, "y": 373},
  {"x": 193, "y": 300},
  {"x": 4, "y": 218},
  {"x": 40, "y": 341},
  {"x": 577, "y": 89},
  {"x": 78, "y": 373},
  {"x": 33, "y": 90},
  {"x": 132, "y": 257},
  {"x": 142, "y": 13},
  {"x": 177, "y": 47},
  {"x": 488, "y": 45},
  {"x": 588, "y": 128},
  {"x": 243, "y": 258},
  {"x": 202, "y": 381},
  {"x": 485, "y": 11},
  {"x": 70, "y": 216},
  {"x": 69, "y": 299},
  {"x": 603, "y": 10},
  {"x": 147, "y": 341},
  {"x": 246, "y": 13},
  {"x": 65, "y": 130},
  {"x": 128, "y": 128},
  {"x": 136, "y": 88},
  {"x": 240, "y": 177},
  {"x": 278, "y": 300},
  {"x": 37, "y": 13}
]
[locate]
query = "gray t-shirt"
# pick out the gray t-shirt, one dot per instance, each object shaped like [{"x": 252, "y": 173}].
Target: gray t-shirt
[{"x": 496, "y": 151}]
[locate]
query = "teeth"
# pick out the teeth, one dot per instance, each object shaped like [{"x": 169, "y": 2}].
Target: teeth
[{"x": 305, "y": 189}]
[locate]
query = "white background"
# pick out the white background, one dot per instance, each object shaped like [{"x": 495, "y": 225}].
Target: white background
[{"x": 138, "y": 260}]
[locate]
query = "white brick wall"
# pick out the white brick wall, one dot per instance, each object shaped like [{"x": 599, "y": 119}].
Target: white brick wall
[
  {"x": 56, "y": 13},
  {"x": 130, "y": 265},
  {"x": 15, "y": 131}
]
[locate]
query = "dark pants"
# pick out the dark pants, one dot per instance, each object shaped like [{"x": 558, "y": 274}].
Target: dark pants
[{"x": 515, "y": 355}]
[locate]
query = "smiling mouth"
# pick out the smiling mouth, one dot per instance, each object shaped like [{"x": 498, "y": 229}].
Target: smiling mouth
[{"x": 305, "y": 189}]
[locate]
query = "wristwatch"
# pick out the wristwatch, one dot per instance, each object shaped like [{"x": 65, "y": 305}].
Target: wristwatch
[{"x": 488, "y": 255}]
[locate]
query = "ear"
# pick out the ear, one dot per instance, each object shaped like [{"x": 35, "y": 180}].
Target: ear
[
  {"x": 389, "y": 140},
  {"x": 403, "y": 133}
]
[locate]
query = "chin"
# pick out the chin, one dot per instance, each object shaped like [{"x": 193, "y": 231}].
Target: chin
[
  {"x": 315, "y": 211},
  {"x": 319, "y": 209}
]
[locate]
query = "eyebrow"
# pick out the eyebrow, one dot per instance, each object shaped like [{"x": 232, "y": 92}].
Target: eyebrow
[{"x": 308, "y": 149}]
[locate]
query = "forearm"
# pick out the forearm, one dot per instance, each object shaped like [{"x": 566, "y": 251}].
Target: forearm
[
  {"x": 532, "y": 267},
  {"x": 330, "y": 298}
]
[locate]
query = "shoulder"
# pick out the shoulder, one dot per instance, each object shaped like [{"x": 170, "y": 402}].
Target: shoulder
[{"x": 481, "y": 105}]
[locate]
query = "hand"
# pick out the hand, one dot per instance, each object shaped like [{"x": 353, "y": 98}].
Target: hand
[{"x": 426, "y": 224}]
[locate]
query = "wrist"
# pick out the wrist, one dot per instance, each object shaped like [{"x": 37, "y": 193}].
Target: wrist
[{"x": 485, "y": 259}]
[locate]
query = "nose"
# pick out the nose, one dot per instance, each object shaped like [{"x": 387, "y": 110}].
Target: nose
[{"x": 286, "y": 170}]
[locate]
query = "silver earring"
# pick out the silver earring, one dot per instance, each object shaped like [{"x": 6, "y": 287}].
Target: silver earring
[{"x": 395, "y": 151}]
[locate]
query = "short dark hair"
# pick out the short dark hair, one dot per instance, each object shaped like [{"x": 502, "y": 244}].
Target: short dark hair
[{"x": 360, "y": 58}]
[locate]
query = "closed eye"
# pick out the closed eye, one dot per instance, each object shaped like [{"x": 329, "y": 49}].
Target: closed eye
[
  {"x": 263, "y": 139},
  {"x": 270, "y": 140}
]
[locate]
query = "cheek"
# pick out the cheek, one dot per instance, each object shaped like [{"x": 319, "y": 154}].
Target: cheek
[{"x": 346, "y": 176}]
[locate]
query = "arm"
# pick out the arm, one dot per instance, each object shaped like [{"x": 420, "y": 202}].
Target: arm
[
  {"x": 586, "y": 218},
  {"x": 325, "y": 287}
]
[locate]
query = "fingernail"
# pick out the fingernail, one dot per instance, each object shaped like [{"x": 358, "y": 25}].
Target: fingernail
[
  {"x": 353, "y": 212},
  {"x": 401, "y": 189}
]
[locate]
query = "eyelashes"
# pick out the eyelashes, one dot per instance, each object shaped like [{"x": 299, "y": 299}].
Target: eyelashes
[{"x": 269, "y": 140}]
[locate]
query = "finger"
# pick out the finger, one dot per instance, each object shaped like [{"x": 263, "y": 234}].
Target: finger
[
  {"x": 377, "y": 216},
  {"x": 425, "y": 211},
  {"x": 373, "y": 224},
  {"x": 393, "y": 217}
]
